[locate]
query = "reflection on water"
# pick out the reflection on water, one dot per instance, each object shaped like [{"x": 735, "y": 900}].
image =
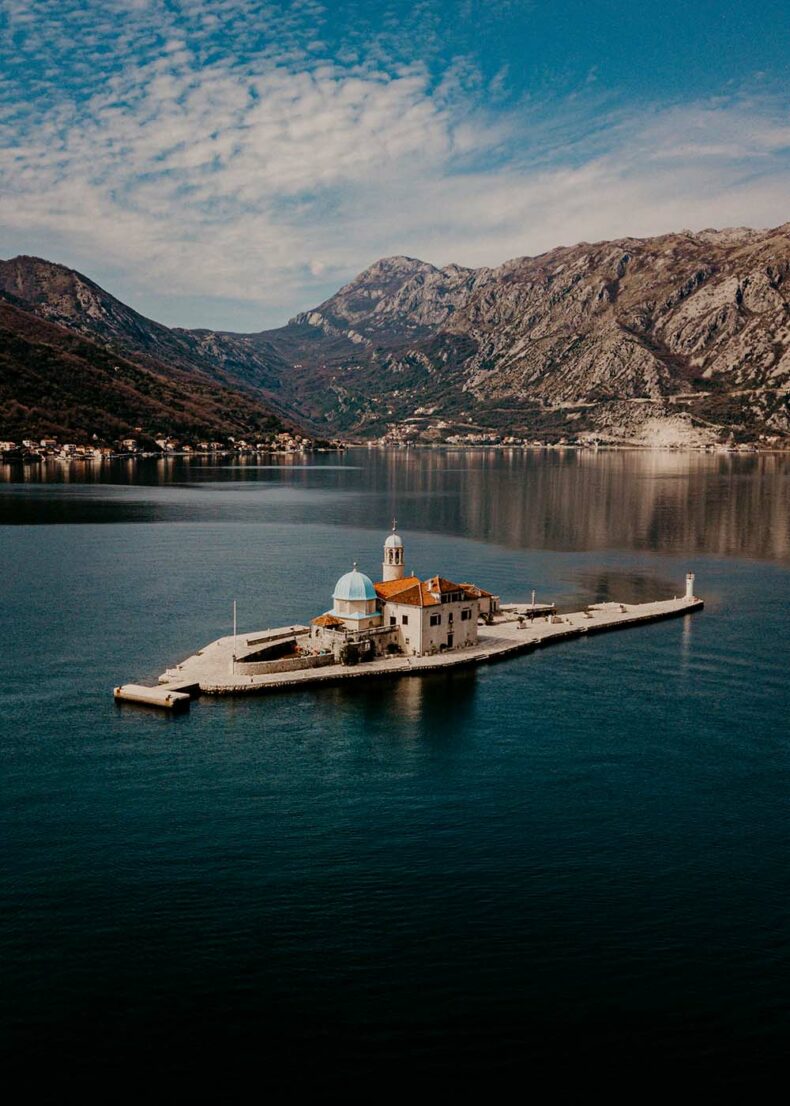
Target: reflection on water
[
  {"x": 605, "y": 585},
  {"x": 564, "y": 500},
  {"x": 685, "y": 643},
  {"x": 397, "y": 708}
]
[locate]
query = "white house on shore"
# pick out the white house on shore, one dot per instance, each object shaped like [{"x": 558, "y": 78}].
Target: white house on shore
[{"x": 400, "y": 614}]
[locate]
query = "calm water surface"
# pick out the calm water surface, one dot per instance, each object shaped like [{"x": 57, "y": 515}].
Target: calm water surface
[{"x": 572, "y": 865}]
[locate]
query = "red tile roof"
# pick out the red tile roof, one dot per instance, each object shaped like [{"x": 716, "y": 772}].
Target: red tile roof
[
  {"x": 423, "y": 593},
  {"x": 416, "y": 595},
  {"x": 427, "y": 599},
  {"x": 387, "y": 588},
  {"x": 327, "y": 620},
  {"x": 476, "y": 592},
  {"x": 442, "y": 586}
]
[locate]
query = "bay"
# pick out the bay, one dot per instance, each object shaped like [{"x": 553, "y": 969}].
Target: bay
[{"x": 567, "y": 865}]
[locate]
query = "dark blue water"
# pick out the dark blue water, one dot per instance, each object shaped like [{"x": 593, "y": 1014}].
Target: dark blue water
[{"x": 569, "y": 866}]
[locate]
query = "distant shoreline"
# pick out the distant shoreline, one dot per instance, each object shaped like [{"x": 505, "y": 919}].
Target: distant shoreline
[{"x": 29, "y": 460}]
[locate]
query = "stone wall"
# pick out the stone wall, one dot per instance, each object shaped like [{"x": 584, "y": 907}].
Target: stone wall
[
  {"x": 287, "y": 664},
  {"x": 335, "y": 640},
  {"x": 269, "y": 637},
  {"x": 271, "y": 651}
]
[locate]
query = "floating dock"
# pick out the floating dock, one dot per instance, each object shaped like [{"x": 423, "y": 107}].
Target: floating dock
[{"x": 215, "y": 670}]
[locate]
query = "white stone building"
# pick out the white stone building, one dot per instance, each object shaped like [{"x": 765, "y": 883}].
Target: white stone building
[{"x": 399, "y": 614}]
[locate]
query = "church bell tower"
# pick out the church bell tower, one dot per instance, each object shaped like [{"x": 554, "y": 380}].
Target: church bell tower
[{"x": 392, "y": 568}]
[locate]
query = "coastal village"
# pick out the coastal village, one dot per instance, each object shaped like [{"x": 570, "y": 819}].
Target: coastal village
[
  {"x": 423, "y": 433},
  {"x": 404, "y": 624},
  {"x": 32, "y": 451},
  {"x": 37, "y": 450}
]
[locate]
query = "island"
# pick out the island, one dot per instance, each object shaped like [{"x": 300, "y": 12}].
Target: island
[{"x": 400, "y": 626}]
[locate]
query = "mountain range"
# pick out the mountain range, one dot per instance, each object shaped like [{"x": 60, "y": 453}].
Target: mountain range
[{"x": 682, "y": 338}]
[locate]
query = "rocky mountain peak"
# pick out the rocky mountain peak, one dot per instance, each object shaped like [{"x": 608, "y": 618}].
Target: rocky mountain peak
[
  {"x": 65, "y": 296},
  {"x": 46, "y": 283},
  {"x": 398, "y": 296}
]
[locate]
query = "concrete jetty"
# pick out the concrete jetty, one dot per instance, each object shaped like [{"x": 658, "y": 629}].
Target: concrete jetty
[
  {"x": 214, "y": 670},
  {"x": 164, "y": 697}
]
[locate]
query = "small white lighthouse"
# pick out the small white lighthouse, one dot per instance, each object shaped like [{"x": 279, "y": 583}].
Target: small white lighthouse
[
  {"x": 689, "y": 585},
  {"x": 392, "y": 568}
]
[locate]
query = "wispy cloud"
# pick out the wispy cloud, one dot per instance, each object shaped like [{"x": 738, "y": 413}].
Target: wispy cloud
[{"x": 218, "y": 157}]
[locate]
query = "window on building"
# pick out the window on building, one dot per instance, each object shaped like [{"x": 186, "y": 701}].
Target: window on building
[
  {"x": 404, "y": 620},
  {"x": 436, "y": 620},
  {"x": 465, "y": 616},
  {"x": 393, "y": 620}
]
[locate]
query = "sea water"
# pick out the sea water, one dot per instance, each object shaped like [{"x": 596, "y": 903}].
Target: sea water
[{"x": 572, "y": 865}]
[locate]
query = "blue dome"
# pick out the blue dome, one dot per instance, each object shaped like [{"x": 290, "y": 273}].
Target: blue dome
[{"x": 354, "y": 585}]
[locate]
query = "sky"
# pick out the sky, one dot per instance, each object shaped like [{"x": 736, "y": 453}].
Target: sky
[{"x": 227, "y": 163}]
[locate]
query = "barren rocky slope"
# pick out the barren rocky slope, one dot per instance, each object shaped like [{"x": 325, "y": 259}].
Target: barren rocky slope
[
  {"x": 680, "y": 338},
  {"x": 624, "y": 339}
]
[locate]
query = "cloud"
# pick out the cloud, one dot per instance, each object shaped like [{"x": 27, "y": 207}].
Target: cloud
[{"x": 213, "y": 157}]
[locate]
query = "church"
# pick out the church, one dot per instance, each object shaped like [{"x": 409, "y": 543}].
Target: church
[{"x": 399, "y": 614}]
